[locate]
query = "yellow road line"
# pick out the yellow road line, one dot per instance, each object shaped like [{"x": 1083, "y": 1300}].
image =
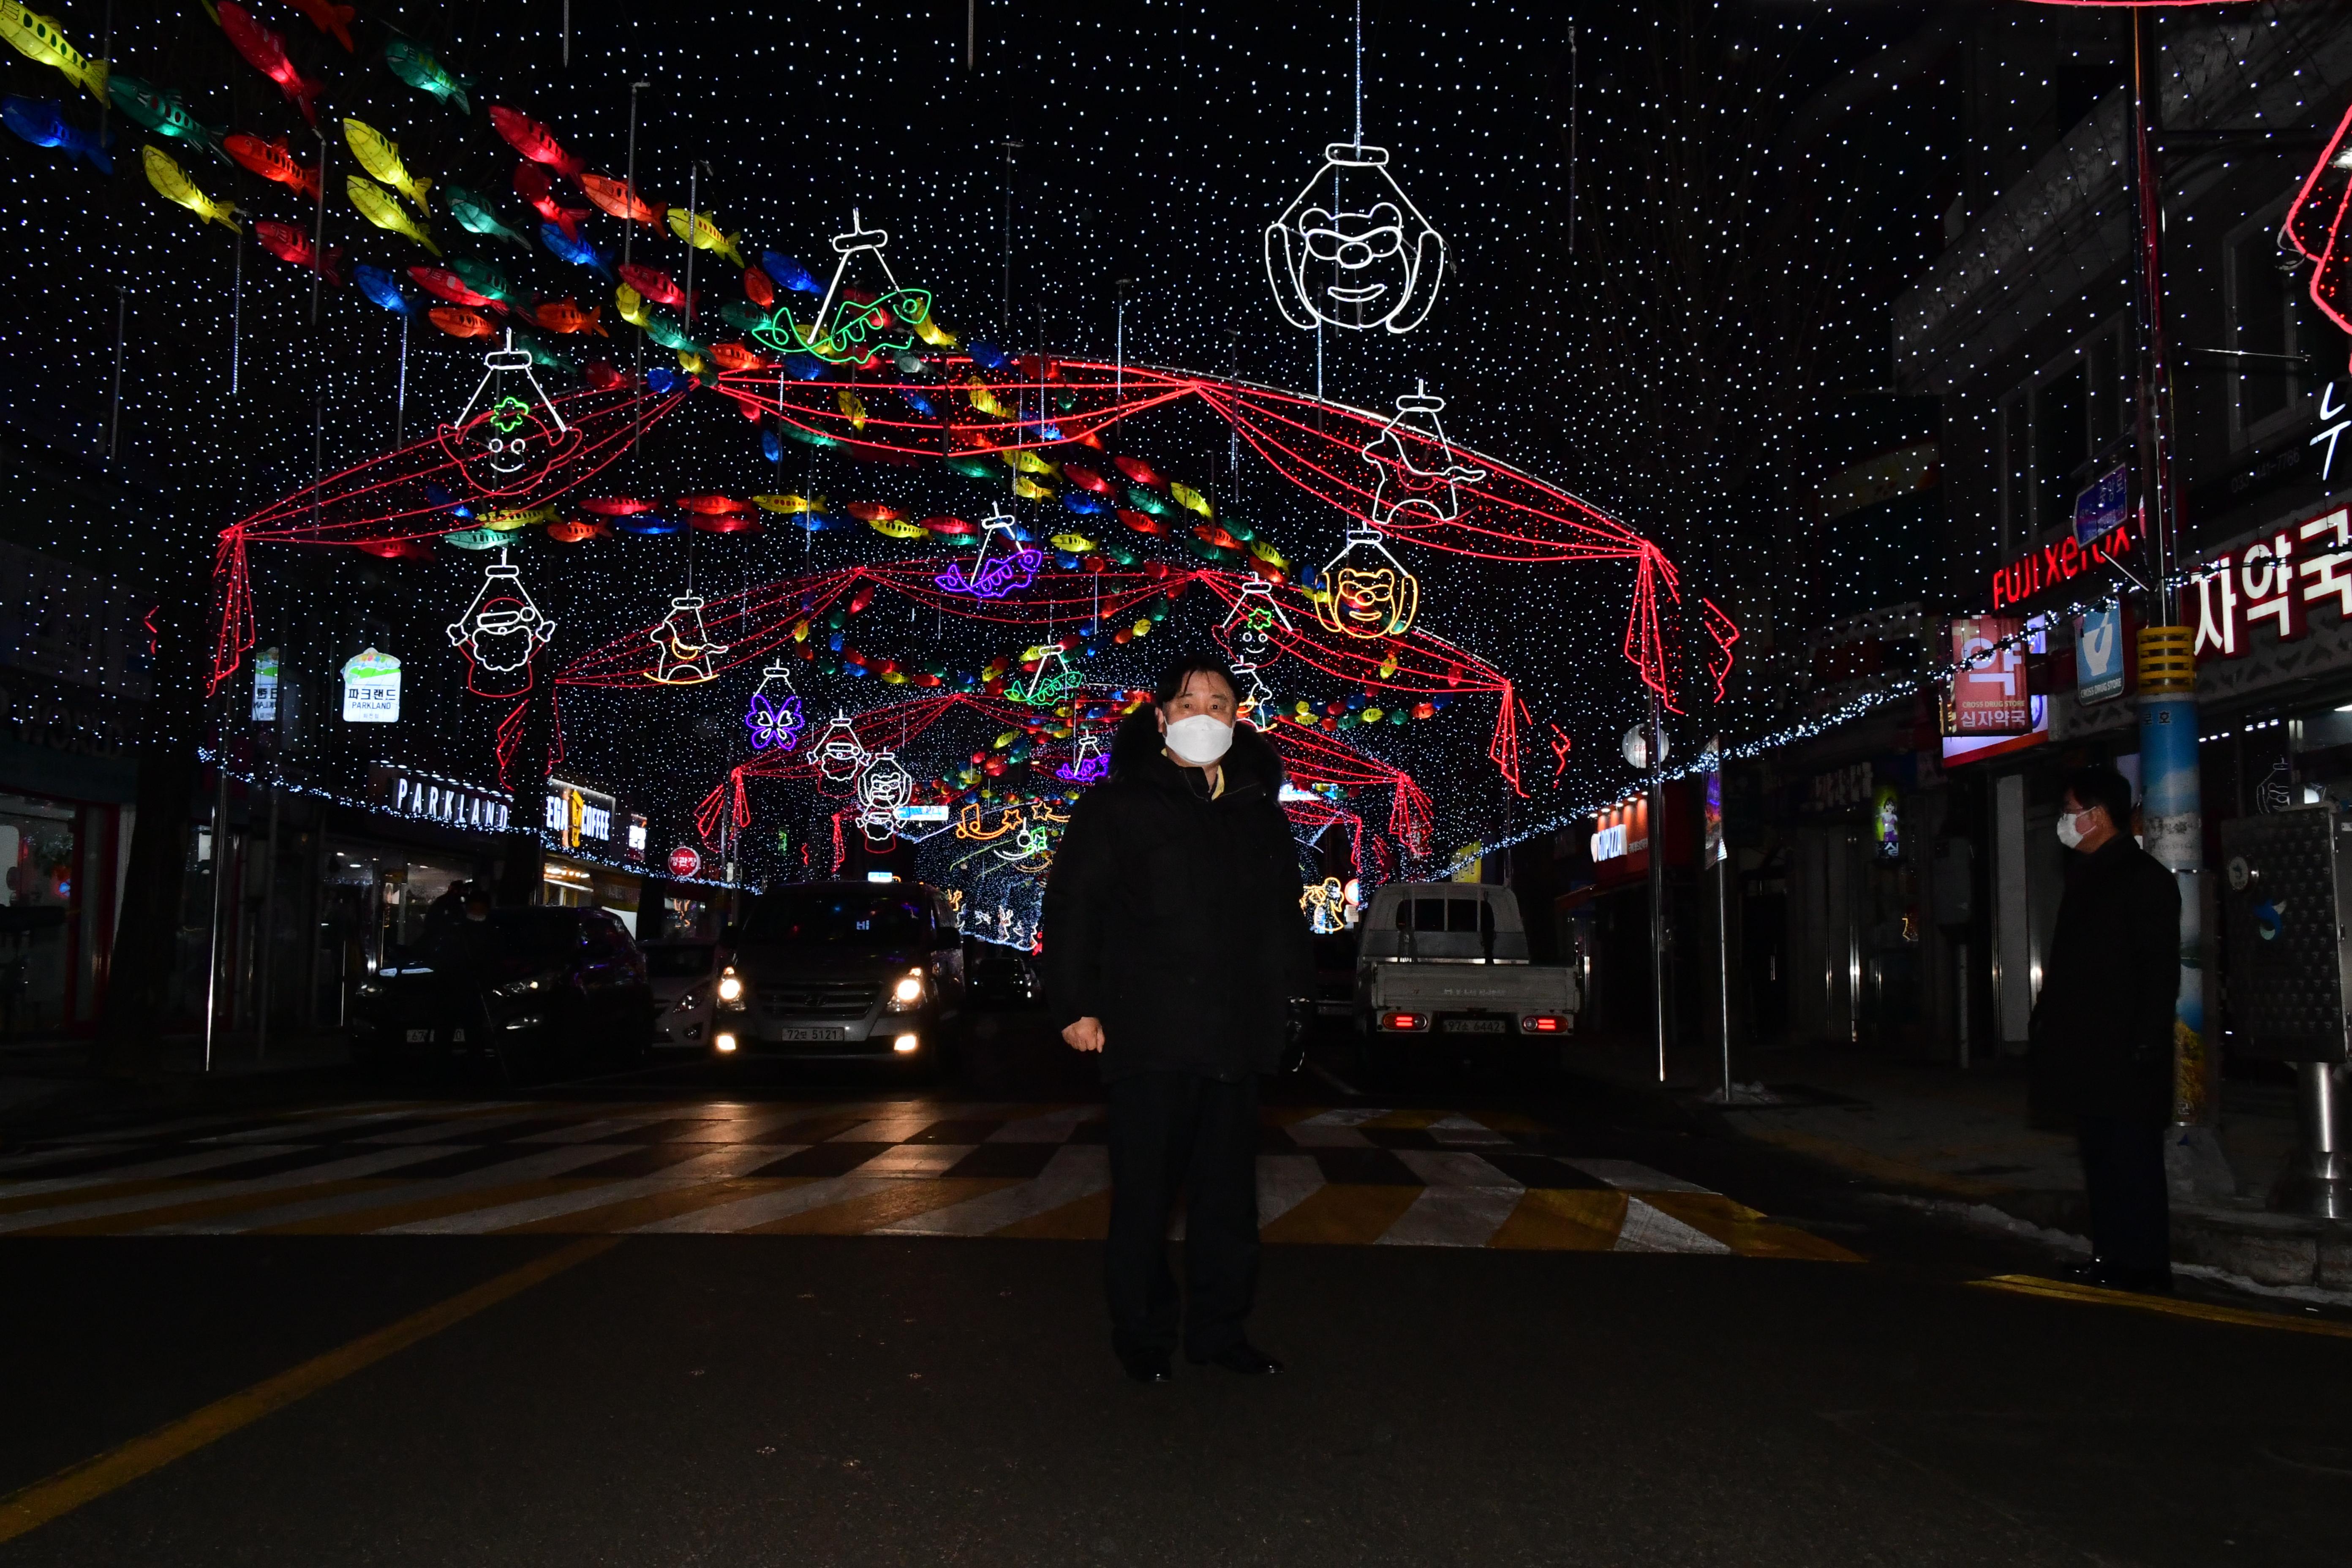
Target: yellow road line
[
  {"x": 2169, "y": 1306},
  {"x": 69, "y": 1489}
]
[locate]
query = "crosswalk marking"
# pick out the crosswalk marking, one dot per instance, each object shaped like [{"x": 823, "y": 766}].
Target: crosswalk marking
[{"x": 1355, "y": 1175}]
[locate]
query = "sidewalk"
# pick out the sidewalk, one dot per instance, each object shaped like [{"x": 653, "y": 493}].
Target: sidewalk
[
  {"x": 1956, "y": 1144},
  {"x": 46, "y": 1081}
]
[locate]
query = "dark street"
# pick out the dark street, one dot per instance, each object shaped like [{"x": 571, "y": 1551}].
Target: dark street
[{"x": 717, "y": 1332}]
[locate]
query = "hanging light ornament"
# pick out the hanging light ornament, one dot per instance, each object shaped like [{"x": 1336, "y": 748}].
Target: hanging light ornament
[
  {"x": 1381, "y": 258},
  {"x": 882, "y": 786},
  {"x": 1367, "y": 591},
  {"x": 1087, "y": 763},
  {"x": 1406, "y": 484},
  {"x": 504, "y": 443},
  {"x": 774, "y": 717},
  {"x": 1246, "y": 634},
  {"x": 855, "y": 334},
  {"x": 498, "y": 633},
  {"x": 1005, "y": 564},
  {"x": 840, "y": 754},
  {"x": 683, "y": 651}
]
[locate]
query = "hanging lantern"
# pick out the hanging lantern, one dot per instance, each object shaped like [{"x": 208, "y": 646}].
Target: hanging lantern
[
  {"x": 882, "y": 786},
  {"x": 774, "y": 717},
  {"x": 1416, "y": 462},
  {"x": 498, "y": 633},
  {"x": 1087, "y": 763},
  {"x": 1367, "y": 593},
  {"x": 1004, "y": 565},
  {"x": 684, "y": 654},
  {"x": 1367, "y": 259},
  {"x": 840, "y": 754},
  {"x": 508, "y": 438}
]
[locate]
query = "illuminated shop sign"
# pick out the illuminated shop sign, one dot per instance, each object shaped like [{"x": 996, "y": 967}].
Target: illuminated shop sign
[
  {"x": 2280, "y": 579},
  {"x": 1989, "y": 685},
  {"x": 2060, "y": 562},
  {"x": 578, "y": 814},
  {"x": 1622, "y": 830},
  {"x": 409, "y": 793}
]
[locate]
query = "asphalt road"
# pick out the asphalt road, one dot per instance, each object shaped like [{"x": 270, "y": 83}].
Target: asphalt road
[{"x": 865, "y": 1398}]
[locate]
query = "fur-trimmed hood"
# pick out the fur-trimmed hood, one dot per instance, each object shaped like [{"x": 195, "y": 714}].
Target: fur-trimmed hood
[{"x": 1137, "y": 753}]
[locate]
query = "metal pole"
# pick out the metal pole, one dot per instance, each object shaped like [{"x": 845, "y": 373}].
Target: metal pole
[
  {"x": 1960, "y": 1003},
  {"x": 1657, "y": 852},
  {"x": 400, "y": 398},
  {"x": 235, "y": 313},
  {"x": 267, "y": 935},
  {"x": 220, "y": 880},
  {"x": 115, "y": 406},
  {"x": 1723, "y": 955},
  {"x": 319, "y": 238},
  {"x": 693, "y": 195}
]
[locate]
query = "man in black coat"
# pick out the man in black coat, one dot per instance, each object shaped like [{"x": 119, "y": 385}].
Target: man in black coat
[
  {"x": 2106, "y": 1020},
  {"x": 1174, "y": 945}
]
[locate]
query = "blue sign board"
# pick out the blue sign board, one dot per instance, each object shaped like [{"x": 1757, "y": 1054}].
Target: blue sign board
[
  {"x": 2099, "y": 510},
  {"x": 2099, "y": 655}
]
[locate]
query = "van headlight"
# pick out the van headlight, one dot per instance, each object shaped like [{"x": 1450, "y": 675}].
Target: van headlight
[
  {"x": 730, "y": 990},
  {"x": 908, "y": 992}
]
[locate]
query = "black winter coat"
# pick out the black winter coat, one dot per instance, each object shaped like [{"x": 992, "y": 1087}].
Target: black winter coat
[
  {"x": 1174, "y": 917},
  {"x": 2103, "y": 1021}
]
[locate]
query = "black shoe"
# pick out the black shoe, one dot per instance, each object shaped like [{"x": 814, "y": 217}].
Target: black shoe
[
  {"x": 1146, "y": 1365},
  {"x": 1243, "y": 1357}
]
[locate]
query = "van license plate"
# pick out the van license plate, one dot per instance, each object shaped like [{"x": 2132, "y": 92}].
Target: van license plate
[
  {"x": 420, "y": 1036},
  {"x": 812, "y": 1034},
  {"x": 1473, "y": 1025}
]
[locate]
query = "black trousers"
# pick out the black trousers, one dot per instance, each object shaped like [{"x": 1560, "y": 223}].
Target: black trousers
[
  {"x": 1170, "y": 1130},
  {"x": 2131, "y": 1209}
]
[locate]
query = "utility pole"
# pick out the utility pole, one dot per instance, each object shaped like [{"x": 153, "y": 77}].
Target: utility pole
[{"x": 1657, "y": 759}]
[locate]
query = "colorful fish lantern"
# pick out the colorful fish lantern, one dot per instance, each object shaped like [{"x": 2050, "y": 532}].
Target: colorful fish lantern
[
  {"x": 485, "y": 278},
  {"x": 698, "y": 231},
  {"x": 619, "y": 199},
  {"x": 174, "y": 186},
  {"x": 564, "y": 316},
  {"x": 1186, "y": 496},
  {"x": 1139, "y": 472},
  {"x": 791, "y": 274},
  {"x": 43, "y": 122},
  {"x": 330, "y": 19},
  {"x": 265, "y": 50},
  {"x": 757, "y": 289},
  {"x": 476, "y": 215},
  {"x": 383, "y": 289},
  {"x": 532, "y": 184},
  {"x": 293, "y": 246},
  {"x": 576, "y": 249},
  {"x": 735, "y": 357},
  {"x": 534, "y": 141},
  {"x": 377, "y": 205},
  {"x": 853, "y": 408},
  {"x": 654, "y": 284},
  {"x": 159, "y": 110},
  {"x": 380, "y": 156},
  {"x": 444, "y": 284},
  {"x": 413, "y": 64},
  {"x": 274, "y": 161},
  {"x": 40, "y": 39},
  {"x": 461, "y": 323}
]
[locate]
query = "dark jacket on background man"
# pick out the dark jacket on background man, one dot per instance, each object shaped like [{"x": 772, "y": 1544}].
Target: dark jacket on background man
[
  {"x": 1173, "y": 917},
  {"x": 2104, "y": 1022}
]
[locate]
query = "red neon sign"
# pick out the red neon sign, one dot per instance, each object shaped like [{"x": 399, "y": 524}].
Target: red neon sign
[{"x": 2055, "y": 564}]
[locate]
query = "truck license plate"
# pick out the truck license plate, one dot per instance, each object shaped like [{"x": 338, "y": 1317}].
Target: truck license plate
[
  {"x": 834, "y": 1034},
  {"x": 1473, "y": 1025}
]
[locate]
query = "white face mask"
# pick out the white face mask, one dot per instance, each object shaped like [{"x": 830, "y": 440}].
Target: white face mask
[
  {"x": 1199, "y": 739},
  {"x": 2068, "y": 834}
]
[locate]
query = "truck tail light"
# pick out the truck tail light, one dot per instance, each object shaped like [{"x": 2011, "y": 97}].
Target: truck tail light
[
  {"x": 1542, "y": 1023},
  {"x": 1410, "y": 1022}
]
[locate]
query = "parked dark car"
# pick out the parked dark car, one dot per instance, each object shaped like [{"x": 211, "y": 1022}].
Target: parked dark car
[
  {"x": 842, "y": 971},
  {"x": 529, "y": 987},
  {"x": 1001, "y": 976}
]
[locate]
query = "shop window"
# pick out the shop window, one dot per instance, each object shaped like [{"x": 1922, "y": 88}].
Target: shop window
[
  {"x": 2061, "y": 445},
  {"x": 2267, "y": 333}
]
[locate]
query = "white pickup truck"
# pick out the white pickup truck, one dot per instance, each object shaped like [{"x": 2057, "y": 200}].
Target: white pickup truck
[{"x": 1450, "y": 959}]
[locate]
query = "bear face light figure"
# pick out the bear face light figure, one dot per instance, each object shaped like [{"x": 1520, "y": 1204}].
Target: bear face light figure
[
  {"x": 1369, "y": 593},
  {"x": 1352, "y": 250}
]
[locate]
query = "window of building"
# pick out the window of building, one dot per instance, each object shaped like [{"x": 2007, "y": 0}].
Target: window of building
[
  {"x": 2267, "y": 333},
  {"x": 2016, "y": 463},
  {"x": 2062, "y": 439}
]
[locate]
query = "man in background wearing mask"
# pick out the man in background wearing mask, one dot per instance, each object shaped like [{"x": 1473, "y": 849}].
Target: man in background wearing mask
[
  {"x": 1174, "y": 945},
  {"x": 2104, "y": 1022}
]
